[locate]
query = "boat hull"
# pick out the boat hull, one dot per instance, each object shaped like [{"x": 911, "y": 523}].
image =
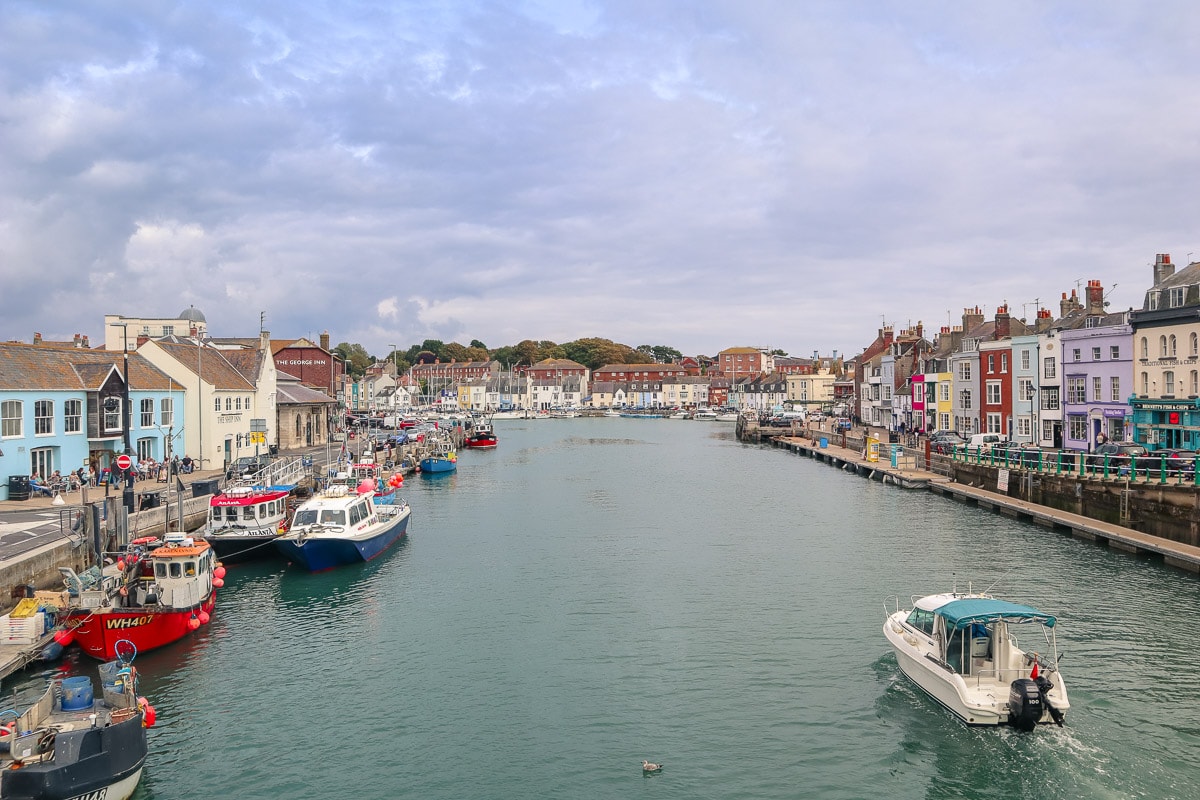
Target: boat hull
[
  {"x": 97, "y": 631},
  {"x": 111, "y": 769},
  {"x": 321, "y": 553},
  {"x": 435, "y": 465},
  {"x": 244, "y": 544}
]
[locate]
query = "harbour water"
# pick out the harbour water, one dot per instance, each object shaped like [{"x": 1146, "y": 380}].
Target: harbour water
[{"x": 599, "y": 591}]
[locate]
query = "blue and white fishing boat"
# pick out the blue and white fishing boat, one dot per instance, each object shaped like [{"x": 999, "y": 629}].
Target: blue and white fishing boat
[
  {"x": 337, "y": 527},
  {"x": 441, "y": 458}
]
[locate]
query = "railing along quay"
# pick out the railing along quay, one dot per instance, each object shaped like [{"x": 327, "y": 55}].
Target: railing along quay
[{"x": 848, "y": 452}]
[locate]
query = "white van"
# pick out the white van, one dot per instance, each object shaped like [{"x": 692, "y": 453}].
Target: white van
[{"x": 985, "y": 441}]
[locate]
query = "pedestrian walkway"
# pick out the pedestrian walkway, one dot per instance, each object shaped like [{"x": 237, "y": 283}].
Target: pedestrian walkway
[{"x": 98, "y": 493}]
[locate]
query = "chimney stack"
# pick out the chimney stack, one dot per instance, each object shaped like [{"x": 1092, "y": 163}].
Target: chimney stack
[
  {"x": 1044, "y": 320},
  {"x": 1003, "y": 323},
  {"x": 87, "y": 345},
  {"x": 1068, "y": 304},
  {"x": 956, "y": 337},
  {"x": 37, "y": 338},
  {"x": 1095, "y": 299},
  {"x": 75, "y": 341},
  {"x": 972, "y": 318},
  {"x": 1163, "y": 268},
  {"x": 325, "y": 340},
  {"x": 264, "y": 340}
]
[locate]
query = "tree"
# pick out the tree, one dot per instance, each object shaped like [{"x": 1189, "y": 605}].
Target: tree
[
  {"x": 454, "y": 352},
  {"x": 527, "y": 352},
  {"x": 548, "y": 349},
  {"x": 594, "y": 353},
  {"x": 425, "y": 357},
  {"x": 665, "y": 355},
  {"x": 478, "y": 354},
  {"x": 479, "y": 344},
  {"x": 356, "y": 357}
]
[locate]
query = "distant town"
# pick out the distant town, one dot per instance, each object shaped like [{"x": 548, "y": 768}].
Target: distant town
[{"x": 167, "y": 386}]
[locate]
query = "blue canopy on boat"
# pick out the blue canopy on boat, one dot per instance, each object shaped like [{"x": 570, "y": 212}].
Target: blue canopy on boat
[{"x": 959, "y": 614}]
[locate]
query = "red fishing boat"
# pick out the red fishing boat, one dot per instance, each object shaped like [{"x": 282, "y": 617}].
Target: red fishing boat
[
  {"x": 157, "y": 592},
  {"x": 482, "y": 438}
]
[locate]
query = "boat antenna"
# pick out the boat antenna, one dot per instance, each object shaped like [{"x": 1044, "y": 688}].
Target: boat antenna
[{"x": 988, "y": 590}]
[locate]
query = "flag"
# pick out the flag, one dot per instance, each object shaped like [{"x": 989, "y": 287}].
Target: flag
[{"x": 1034, "y": 672}]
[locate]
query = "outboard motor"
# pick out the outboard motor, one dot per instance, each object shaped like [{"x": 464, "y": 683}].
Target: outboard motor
[
  {"x": 1044, "y": 686},
  {"x": 1024, "y": 704}
]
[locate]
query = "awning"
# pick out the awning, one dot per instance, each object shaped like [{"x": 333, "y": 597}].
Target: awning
[{"x": 960, "y": 614}]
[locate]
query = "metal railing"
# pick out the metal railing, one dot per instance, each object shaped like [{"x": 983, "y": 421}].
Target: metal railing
[{"x": 1150, "y": 468}]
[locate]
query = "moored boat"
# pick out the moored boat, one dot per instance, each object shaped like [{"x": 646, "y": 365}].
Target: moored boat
[
  {"x": 337, "y": 527},
  {"x": 244, "y": 520},
  {"x": 704, "y": 415},
  {"x": 441, "y": 458},
  {"x": 482, "y": 438},
  {"x": 157, "y": 592},
  {"x": 71, "y": 744},
  {"x": 961, "y": 649}
]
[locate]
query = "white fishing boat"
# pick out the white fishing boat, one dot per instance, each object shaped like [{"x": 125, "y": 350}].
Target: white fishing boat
[
  {"x": 961, "y": 649},
  {"x": 727, "y": 415},
  {"x": 704, "y": 415}
]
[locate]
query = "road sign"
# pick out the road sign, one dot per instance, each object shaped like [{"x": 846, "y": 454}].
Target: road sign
[{"x": 124, "y": 462}]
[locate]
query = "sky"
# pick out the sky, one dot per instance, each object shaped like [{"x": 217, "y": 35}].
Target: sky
[{"x": 699, "y": 174}]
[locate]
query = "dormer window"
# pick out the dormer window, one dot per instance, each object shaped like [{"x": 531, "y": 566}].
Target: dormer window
[
  {"x": 1178, "y": 296},
  {"x": 1151, "y": 301}
]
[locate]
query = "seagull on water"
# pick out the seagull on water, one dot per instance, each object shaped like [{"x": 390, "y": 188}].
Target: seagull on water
[{"x": 650, "y": 766}]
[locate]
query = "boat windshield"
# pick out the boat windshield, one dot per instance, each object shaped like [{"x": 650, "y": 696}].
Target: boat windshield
[{"x": 311, "y": 516}]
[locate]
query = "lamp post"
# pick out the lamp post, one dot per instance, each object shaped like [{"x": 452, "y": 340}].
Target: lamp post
[{"x": 126, "y": 418}]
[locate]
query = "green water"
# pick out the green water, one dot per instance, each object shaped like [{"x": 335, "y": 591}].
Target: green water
[{"x": 599, "y": 591}]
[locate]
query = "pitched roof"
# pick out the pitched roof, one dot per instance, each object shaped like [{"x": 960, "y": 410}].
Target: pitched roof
[
  {"x": 28, "y": 367},
  {"x": 214, "y": 368}
]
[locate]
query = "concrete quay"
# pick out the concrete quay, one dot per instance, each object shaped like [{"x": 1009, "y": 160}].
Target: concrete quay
[{"x": 907, "y": 475}]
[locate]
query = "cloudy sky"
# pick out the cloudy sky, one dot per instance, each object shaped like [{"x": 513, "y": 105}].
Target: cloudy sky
[{"x": 694, "y": 173}]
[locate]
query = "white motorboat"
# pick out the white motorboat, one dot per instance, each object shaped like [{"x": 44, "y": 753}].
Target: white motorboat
[
  {"x": 961, "y": 649},
  {"x": 728, "y": 415},
  {"x": 704, "y": 415}
]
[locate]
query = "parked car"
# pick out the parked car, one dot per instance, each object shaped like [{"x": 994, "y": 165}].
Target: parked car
[
  {"x": 986, "y": 441},
  {"x": 945, "y": 441},
  {"x": 1119, "y": 455},
  {"x": 246, "y": 464}
]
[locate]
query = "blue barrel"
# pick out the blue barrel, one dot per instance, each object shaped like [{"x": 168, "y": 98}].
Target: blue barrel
[
  {"x": 824, "y": 442},
  {"x": 77, "y": 693}
]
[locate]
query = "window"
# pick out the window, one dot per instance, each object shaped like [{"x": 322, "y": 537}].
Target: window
[
  {"x": 1162, "y": 347},
  {"x": 73, "y": 416},
  {"x": 1050, "y": 398},
  {"x": 1193, "y": 345},
  {"x": 168, "y": 330},
  {"x": 1145, "y": 383},
  {"x": 216, "y": 404},
  {"x": 1048, "y": 369},
  {"x": 1145, "y": 348},
  {"x": 147, "y": 412},
  {"x": 1171, "y": 350},
  {"x": 1177, "y": 297},
  {"x": 1048, "y": 430},
  {"x": 1075, "y": 354},
  {"x": 991, "y": 363},
  {"x": 1076, "y": 426},
  {"x": 1024, "y": 427},
  {"x": 945, "y": 421},
  {"x": 1097, "y": 388},
  {"x": 1115, "y": 386},
  {"x": 145, "y": 449},
  {"x": 944, "y": 393},
  {"x": 993, "y": 393},
  {"x": 1169, "y": 383},
  {"x": 1151, "y": 301},
  {"x": 43, "y": 417},
  {"x": 112, "y": 414},
  {"x": 1076, "y": 390},
  {"x": 964, "y": 399},
  {"x": 1095, "y": 354},
  {"x": 166, "y": 408},
  {"x": 964, "y": 370},
  {"x": 1193, "y": 386},
  {"x": 1114, "y": 352},
  {"x": 993, "y": 422},
  {"x": 229, "y": 404},
  {"x": 1025, "y": 389},
  {"x": 1024, "y": 360},
  {"x": 237, "y": 406},
  {"x": 1004, "y": 362}
]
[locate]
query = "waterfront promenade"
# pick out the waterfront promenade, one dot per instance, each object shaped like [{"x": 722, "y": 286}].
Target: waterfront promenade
[{"x": 907, "y": 474}]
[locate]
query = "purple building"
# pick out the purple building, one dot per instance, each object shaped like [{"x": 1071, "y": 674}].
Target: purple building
[{"x": 1097, "y": 380}]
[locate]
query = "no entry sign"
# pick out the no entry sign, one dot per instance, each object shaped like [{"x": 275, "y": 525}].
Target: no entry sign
[{"x": 124, "y": 462}]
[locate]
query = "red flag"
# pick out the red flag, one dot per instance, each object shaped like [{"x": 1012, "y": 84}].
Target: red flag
[{"x": 1034, "y": 672}]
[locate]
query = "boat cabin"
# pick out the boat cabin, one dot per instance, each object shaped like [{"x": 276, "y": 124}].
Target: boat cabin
[
  {"x": 243, "y": 507},
  {"x": 971, "y": 635},
  {"x": 179, "y": 573}
]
